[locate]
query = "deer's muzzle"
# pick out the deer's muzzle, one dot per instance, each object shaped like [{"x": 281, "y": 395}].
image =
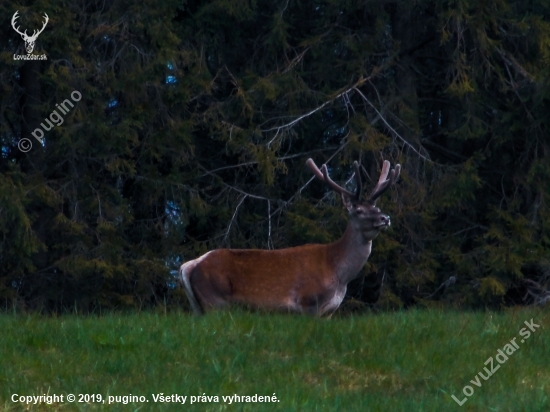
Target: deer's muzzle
[{"x": 383, "y": 222}]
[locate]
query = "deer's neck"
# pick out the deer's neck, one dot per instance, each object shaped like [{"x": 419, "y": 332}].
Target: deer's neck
[{"x": 349, "y": 254}]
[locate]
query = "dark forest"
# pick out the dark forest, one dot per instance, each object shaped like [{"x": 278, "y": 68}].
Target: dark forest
[{"x": 195, "y": 120}]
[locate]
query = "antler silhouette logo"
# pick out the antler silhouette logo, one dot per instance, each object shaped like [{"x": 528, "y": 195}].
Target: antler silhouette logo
[{"x": 29, "y": 40}]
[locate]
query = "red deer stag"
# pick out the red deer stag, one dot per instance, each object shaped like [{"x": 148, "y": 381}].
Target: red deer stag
[{"x": 309, "y": 278}]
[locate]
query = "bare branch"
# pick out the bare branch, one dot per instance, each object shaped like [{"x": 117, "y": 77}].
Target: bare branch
[
  {"x": 236, "y": 189},
  {"x": 298, "y": 119},
  {"x": 405, "y": 142},
  {"x": 511, "y": 61},
  {"x": 297, "y": 59},
  {"x": 269, "y": 240},
  {"x": 233, "y": 218},
  {"x": 279, "y": 158}
]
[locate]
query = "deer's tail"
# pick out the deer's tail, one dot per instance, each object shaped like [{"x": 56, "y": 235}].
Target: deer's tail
[{"x": 185, "y": 273}]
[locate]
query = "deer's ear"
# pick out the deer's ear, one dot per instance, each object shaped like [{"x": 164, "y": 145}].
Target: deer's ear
[{"x": 347, "y": 202}]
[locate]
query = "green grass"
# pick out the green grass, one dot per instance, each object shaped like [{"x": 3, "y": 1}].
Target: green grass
[{"x": 405, "y": 361}]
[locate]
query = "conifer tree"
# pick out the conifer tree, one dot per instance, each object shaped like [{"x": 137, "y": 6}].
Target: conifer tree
[{"x": 196, "y": 119}]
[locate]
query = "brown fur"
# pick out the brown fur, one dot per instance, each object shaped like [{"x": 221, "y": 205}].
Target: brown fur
[{"x": 303, "y": 279}]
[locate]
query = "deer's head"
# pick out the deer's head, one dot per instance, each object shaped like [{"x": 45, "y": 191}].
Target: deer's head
[
  {"x": 29, "y": 40},
  {"x": 365, "y": 217}
]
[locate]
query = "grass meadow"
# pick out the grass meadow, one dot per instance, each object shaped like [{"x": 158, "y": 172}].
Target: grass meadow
[{"x": 401, "y": 361}]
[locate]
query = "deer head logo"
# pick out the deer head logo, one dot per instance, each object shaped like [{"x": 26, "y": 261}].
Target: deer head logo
[{"x": 29, "y": 40}]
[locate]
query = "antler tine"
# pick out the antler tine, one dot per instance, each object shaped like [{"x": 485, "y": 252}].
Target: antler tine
[
  {"x": 13, "y": 23},
  {"x": 384, "y": 172},
  {"x": 397, "y": 171},
  {"x": 37, "y": 32},
  {"x": 323, "y": 175},
  {"x": 45, "y": 23},
  {"x": 311, "y": 164},
  {"x": 381, "y": 181},
  {"x": 384, "y": 183},
  {"x": 334, "y": 185}
]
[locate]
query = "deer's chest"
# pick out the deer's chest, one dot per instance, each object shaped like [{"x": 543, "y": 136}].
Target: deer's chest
[
  {"x": 327, "y": 300},
  {"x": 334, "y": 302}
]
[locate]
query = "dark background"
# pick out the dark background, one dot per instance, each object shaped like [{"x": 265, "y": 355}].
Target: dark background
[{"x": 197, "y": 117}]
